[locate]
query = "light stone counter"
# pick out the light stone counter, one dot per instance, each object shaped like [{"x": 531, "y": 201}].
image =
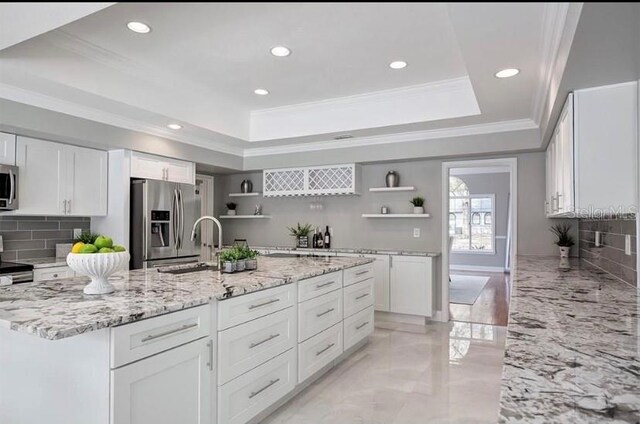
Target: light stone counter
[
  {"x": 572, "y": 352},
  {"x": 58, "y": 309},
  {"x": 353, "y": 250}
]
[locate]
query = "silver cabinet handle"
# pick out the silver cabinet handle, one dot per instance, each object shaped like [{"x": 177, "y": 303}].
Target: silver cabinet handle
[
  {"x": 362, "y": 272},
  {"x": 325, "y": 312},
  {"x": 319, "y": 286},
  {"x": 325, "y": 349},
  {"x": 210, "y": 362},
  {"x": 271, "y": 337},
  {"x": 166, "y": 333},
  {"x": 362, "y": 325},
  {"x": 362, "y": 295},
  {"x": 269, "y": 302},
  {"x": 256, "y": 393},
  {"x": 68, "y": 206}
]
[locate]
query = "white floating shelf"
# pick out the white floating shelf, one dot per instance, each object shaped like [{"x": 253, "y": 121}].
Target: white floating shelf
[
  {"x": 408, "y": 188},
  {"x": 252, "y": 194},
  {"x": 244, "y": 216},
  {"x": 396, "y": 215}
]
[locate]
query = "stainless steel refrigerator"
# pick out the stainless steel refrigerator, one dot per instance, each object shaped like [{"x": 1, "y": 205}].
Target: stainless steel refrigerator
[{"x": 162, "y": 215}]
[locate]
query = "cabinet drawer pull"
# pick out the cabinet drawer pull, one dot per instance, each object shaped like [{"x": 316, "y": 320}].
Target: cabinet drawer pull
[
  {"x": 271, "y": 337},
  {"x": 166, "y": 333},
  {"x": 325, "y": 349},
  {"x": 256, "y": 393},
  {"x": 325, "y": 312},
  {"x": 55, "y": 275},
  {"x": 361, "y": 325},
  {"x": 362, "y": 272},
  {"x": 319, "y": 286},
  {"x": 269, "y": 302},
  {"x": 362, "y": 295}
]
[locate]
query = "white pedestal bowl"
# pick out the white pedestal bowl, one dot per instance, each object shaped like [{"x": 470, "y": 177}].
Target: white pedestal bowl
[{"x": 98, "y": 266}]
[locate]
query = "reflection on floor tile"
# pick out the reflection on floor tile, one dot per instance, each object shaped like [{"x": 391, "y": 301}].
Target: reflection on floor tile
[{"x": 439, "y": 373}]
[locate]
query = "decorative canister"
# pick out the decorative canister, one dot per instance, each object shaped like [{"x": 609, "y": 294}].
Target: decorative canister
[
  {"x": 240, "y": 265},
  {"x": 228, "y": 267},
  {"x": 392, "y": 179},
  {"x": 246, "y": 186},
  {"x": 384, "y": 210},
  {"x": 251, "y": 264}
]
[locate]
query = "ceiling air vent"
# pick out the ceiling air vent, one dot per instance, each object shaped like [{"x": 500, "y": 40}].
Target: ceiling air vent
[{"x": 343, "y": 137}]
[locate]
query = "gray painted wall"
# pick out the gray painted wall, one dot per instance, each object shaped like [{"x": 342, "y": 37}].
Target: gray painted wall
[{"x": 499, "y": 185}]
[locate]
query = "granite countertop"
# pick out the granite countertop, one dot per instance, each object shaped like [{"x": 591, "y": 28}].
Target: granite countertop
[
  {"x": 572, "y": 353},
  {"x": 354, "y": 250},
  {"x": 44, "y": 262},
  {"x": 58, "y": 309}
]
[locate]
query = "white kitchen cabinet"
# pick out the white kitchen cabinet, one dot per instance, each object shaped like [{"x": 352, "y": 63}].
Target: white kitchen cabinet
[
  {"x": 161, "y": 168},
  {"x": 7, "y": 149},
  {"x": 52, "y": 273},
  {"x": 57, "y": 179},
  {"x": 312, "y": 181},
  {"x": 411, "y": 285},
  {"x": 381, "y": 279},
  {"x": 591, "y": 159},
  {"x": 168, "y": 388}
]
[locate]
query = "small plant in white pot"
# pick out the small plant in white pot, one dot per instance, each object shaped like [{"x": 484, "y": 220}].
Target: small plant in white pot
[
  {"x": 418, "y": 205},
  {"x": 564, "y": 239},
  {"x": 231, "y": 208},
  {"x": 227, "y": 261}
]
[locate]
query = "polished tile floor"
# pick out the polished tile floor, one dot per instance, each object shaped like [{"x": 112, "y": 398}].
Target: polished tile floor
[{"x": 441, "y": 373}]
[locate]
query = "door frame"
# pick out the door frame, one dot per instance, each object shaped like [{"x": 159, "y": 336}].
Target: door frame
[{"x": 512, "y": 164}]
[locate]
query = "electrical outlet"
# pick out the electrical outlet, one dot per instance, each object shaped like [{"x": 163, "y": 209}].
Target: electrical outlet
[
  {"x": 627, "y": 244},
  {"x": 77, "y": 232},
  {"x": 597, "y": 238},
  {"x": 416, "y": 232}
]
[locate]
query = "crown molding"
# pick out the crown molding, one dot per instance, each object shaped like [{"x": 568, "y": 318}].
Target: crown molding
[
  {"x": 32, "y": 98},
  {"x": 553, "y": 25},
  {"x": 488, "y": 128}
]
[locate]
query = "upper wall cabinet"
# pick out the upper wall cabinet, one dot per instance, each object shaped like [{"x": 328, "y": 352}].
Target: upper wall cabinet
[
  {"x": 7, "y": 149},
  {"x": 161, "y": 168},
  {"x": 591, "y": 159},
  {"x": 312, "y": 181},
  {"x": 57, "y": 179}
]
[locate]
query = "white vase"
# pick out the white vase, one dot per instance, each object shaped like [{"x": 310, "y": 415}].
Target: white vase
[
  {"x": 564, "y": 251},
  {"x": 231, "y": 212},
  {"x": 418, "y": 209}
]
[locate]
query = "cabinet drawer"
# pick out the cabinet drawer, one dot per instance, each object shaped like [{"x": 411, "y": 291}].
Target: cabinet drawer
[
  {"x": 138, "y": 340},
  {"x": 316, "y": 286},
  {"x": 358, "y": 296},
  {"x": 318, "y": 351},
  {"x": 246, "y": 396},
  {"x": 241, "y": 309},
  {"x": 318, "y": 314},
  {"x": 357, "y": 327},
  {"x": 246, "y": 346},
  {"x": 55, "y": 273},
  {"x": 357, "y": 274}
]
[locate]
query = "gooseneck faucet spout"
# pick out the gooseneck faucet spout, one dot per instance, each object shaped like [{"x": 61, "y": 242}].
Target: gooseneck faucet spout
[{"x": 209, "y": 218}]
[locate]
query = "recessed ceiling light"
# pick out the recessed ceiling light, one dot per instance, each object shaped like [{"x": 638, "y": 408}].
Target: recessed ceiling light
[
  {"x": 261, "y": 91},
  {"x": 139, "y": 27},
  {"x": 175, "y": 126},
  {"x": 507, "y": 73},
  {"x": 280, "y": 51},
  {"x": 398, "y": 64}
]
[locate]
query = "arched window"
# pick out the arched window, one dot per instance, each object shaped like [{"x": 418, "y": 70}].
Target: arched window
[{"x": 457, "y": 187}]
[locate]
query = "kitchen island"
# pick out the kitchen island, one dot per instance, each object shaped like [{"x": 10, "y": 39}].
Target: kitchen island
[
  {"x": 163, "y": 348},
  {"x": 572, "y": 352}
]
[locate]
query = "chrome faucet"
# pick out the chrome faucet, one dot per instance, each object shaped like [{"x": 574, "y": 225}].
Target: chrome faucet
[{"x": 210, "y": 218}]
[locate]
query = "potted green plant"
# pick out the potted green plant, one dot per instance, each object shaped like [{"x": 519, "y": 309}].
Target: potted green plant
[
  {"x": 251, "y": 259},
  {"x": 418, "y": 204},
  {"x": 231, "y": 208},
  {"x": 301, "y": 233},
  {"x": 239, "y": 256},
  {"x": 564, "y": 239},
  {"x": 227, "y": 261}
]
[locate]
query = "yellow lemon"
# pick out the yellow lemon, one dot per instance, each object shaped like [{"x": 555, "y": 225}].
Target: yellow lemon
[{"x": 76, "y": 247}]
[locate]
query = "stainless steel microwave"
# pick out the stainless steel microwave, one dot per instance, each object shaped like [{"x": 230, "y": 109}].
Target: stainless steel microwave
[{"x": 8, "y": 187}]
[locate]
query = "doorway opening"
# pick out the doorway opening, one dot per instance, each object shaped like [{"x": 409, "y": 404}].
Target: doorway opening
[{"x": 479, "y": 239}]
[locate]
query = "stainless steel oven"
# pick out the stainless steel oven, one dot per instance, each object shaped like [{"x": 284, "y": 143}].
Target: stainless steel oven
[{"x": 8, "y": 187}]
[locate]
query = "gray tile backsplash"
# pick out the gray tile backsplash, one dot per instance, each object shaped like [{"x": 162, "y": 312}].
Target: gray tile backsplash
[
  {"x": 28, "y": 237},
  {"x": 610, "y": 255}
]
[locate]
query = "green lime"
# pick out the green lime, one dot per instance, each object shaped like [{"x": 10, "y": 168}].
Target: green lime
[
  {"x": 88, "y": 248},
  {"x": 106, "y": 250},
  {"x": 118, "y": 248},
  {"x": 103, "y": 241}
]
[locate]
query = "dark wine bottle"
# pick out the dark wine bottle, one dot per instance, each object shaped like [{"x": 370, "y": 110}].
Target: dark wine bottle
[{"x": 327, "y": 239}]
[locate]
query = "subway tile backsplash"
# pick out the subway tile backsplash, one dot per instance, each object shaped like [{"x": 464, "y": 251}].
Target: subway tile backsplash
[
  {"x": 610, "y": 255},
  {"x": 29, "y": 237}
]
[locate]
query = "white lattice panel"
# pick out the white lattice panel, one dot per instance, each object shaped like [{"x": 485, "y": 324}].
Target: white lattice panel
[
  {"x": 337, "y": 179},
  {"x": 284, "y": 182}
]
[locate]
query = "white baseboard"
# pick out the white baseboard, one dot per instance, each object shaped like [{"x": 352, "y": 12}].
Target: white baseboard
[{"x": 476, "y": 268}]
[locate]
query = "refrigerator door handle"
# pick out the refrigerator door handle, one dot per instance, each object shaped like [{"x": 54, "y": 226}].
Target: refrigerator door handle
[
  {"x": 174, "y": 221},
  {"x": 181, "y": 216}
]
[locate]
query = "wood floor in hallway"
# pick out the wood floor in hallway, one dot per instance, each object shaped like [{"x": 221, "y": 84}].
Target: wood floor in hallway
[{"x": 491, "y": 307}]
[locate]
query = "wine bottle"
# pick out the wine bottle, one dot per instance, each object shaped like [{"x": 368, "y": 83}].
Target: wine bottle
[
  {"x": 320, "y": 239},
  {"x": 314, "y": 244},
  {"x": 327, "y": 239}
]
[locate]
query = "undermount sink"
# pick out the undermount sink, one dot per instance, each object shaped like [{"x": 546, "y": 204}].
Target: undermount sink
[{"x": 185, "y": 269}]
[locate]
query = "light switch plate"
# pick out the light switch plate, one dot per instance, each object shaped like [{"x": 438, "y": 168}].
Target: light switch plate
[
  {"x": 416, "y": 232},
  {"x": 627, "y": 244}
]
